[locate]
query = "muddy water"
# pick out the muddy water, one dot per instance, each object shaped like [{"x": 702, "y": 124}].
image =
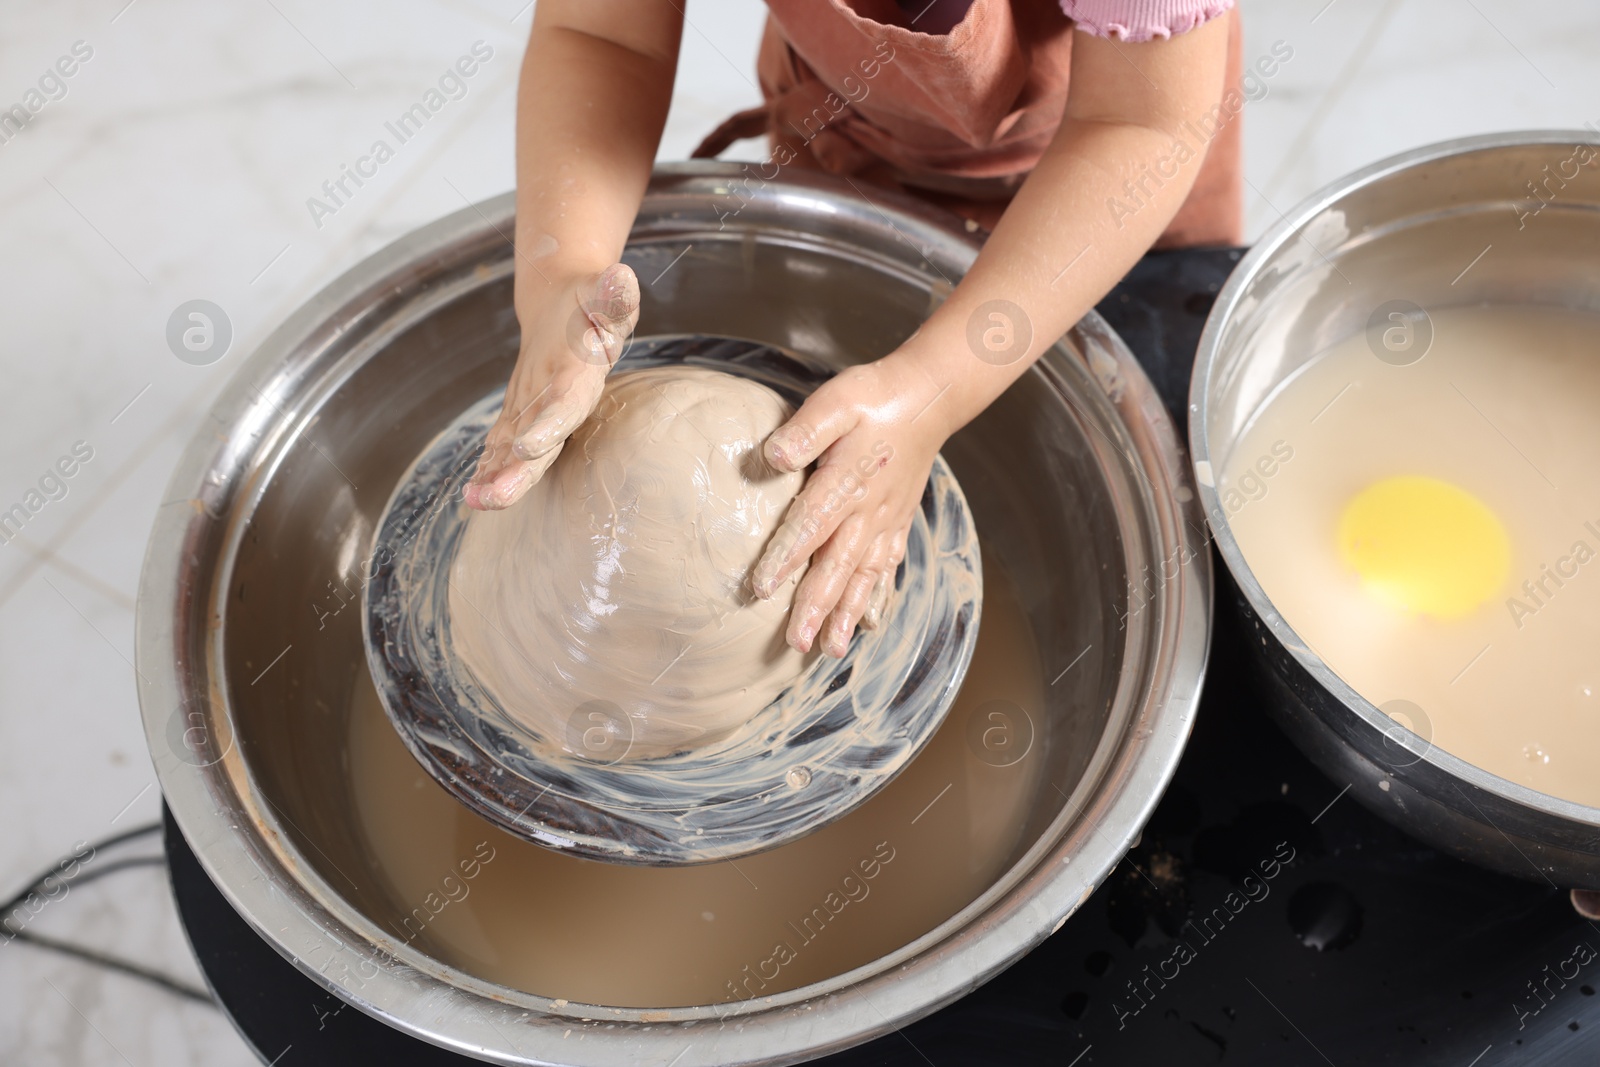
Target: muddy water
[
  {"x": 514, "y": 913},
  {"x": 1478, "y": 627}
]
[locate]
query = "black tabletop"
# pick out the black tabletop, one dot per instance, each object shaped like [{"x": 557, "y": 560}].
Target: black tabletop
[{"x": 1262, "y": 919}]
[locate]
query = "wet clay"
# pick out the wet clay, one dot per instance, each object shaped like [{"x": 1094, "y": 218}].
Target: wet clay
[
  {"x": 620, "y": 582},
  {"x": 511, "y": 912},
  {"x": 1502, "y": 409}
]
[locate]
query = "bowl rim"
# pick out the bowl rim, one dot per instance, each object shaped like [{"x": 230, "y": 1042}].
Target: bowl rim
[
  {"x": 1287, "y": 229},
  {"x": 235, "y": 830}
]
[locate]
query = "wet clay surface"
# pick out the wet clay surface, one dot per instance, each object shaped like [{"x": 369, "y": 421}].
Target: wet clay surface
[{"x": 624, "y": 571}]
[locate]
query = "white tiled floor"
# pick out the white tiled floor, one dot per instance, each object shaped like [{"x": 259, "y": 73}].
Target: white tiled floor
[{"x": 177, "y": 166}]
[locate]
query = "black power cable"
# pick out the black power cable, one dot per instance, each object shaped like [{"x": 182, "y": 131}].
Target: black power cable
[
  {"x": 55, "y": 868},
  {"x": 83, "y": 876}
]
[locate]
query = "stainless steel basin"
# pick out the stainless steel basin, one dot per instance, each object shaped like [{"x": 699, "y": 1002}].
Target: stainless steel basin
[
  {"x": 1507, "y": 218},
  {"x": 249, "y": 633}
]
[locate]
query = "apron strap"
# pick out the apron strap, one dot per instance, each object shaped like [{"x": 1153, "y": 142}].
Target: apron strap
[{"x": 743, "y": 125}]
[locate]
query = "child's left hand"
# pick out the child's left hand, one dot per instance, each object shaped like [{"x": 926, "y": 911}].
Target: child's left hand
[{"x": 873, "y": 432}]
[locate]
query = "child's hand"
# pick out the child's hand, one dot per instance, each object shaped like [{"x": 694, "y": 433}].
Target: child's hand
[
  {"x": 571, "y": 338},
  {"x": 875, "y": 429},
  {"x": 873, "y": 432}
]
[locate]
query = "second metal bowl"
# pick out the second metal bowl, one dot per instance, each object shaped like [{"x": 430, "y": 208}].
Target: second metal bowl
[{"x": 1473, "y": 221}]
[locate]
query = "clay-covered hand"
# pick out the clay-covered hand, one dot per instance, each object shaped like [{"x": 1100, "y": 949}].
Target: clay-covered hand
[
  {"x": 873, "y": 432},
  {"x": 571, "y": 338}
]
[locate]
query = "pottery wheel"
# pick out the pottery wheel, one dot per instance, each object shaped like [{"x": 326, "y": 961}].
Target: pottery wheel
[{"x": 799, "y": 764}]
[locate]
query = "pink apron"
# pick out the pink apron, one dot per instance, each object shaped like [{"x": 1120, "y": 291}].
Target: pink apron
[{"x": 958, "y": 118}]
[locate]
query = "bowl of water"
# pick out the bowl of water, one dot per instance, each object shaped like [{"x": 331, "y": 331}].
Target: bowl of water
[
  {"x": 1393, "y": 419},
  {"x": 325, "y": 833}
]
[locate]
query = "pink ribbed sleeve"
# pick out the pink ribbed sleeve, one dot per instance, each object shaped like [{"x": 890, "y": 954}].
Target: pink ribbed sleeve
[{"x": 1142, "y": 20}]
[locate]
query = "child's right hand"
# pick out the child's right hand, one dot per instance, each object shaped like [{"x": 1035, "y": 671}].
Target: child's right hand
[{"x": 570, "y": 341}]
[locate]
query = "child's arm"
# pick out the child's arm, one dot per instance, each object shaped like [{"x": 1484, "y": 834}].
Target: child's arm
[
  {"x": 875, "y": 429},
  {"x": 596, "y": 82}
]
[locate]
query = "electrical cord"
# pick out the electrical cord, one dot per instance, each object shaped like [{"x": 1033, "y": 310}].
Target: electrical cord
[
  {"x": 83, "y": 876},
  {"x": 55, "y": 868},
  {"x": 112, "y": 963}
]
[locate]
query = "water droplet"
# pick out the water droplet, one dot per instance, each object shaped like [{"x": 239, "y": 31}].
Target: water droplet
[
  {"x": 798, "y": 777},
  {"x": 1536, "y": 754},
  {"x": 707, "y": 916},
  {"x": 1325, "y": 916}
]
